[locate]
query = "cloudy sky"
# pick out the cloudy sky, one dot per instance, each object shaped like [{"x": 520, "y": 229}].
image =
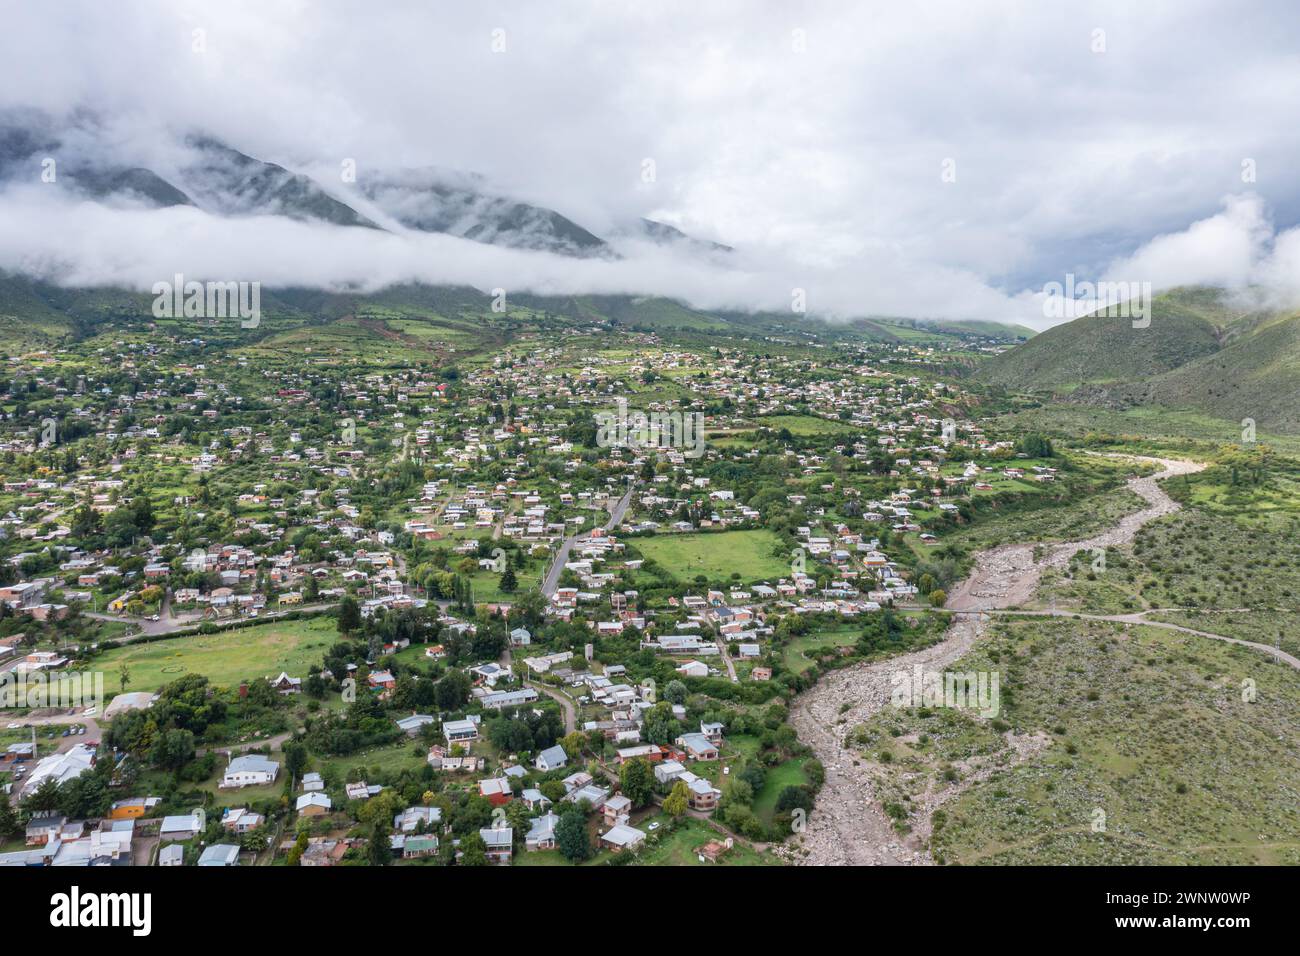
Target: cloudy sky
[{"x": 934, "y": 160}]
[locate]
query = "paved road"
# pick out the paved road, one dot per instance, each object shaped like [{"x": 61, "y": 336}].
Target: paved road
[{"x": 552, "y": 579}]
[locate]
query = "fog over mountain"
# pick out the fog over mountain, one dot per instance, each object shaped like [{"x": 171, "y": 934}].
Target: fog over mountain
[{"x": 884, "y": 164}]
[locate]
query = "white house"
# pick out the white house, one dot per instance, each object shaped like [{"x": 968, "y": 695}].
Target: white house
[
  {"x": 250, "y": 770},
  {"x": 693, "y": 669},
  {"x": 552, "y": 758}
]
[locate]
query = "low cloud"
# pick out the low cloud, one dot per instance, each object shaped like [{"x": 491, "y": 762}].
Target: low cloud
[{"x": 817, "y": 139}]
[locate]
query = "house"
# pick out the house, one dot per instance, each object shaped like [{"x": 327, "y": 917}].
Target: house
[
  {"x": 132, "y": 808},
  {"x": 382, "y": 681},
  {"x": 361, "y": 790},
  {"x": 617, "y": 809},
  {"x": 534, "y": 799},
  {"x": 693, "y": 669},
  {"x": 541, "y": 833},
  {"x": 183, "y": 827},
  {"x": 668, "y": 771},
  {"x": 576, "y": 781},
  {"x": 500, "y": 844},
  {"x": 411, "y": 725},
  {"x": 171, "y": 855},
  {"x": 460, "y": 731},
  {"x": 61, "y": 767},
  {"x": 623, "y": 837},
  {"x": 250, "y": 770},
  {"x": 701, "y": 794},
  {"x": 286, "y": 684},
  {"x": 312, "y": 782},
  {"x": 240, "y": 819},
  {"x": 509, "y": 698},
  {"x": 652, "y": 752},
  {"x": 410, "y": 819},
  {"x": 414, "y": 845},
  {"x": 698, "y": 746},
  {"x": 552, "y": 758},
  {"x": 496, "y": 790},
  {"x": 220, "y": 854},
  {"x": 520, "y": 637},
  {"x": 313, "y": 804},
  {"x": 40, "y": 830},
  {"x": 594, "y": 795},
  {"x": 713, "y": 731}
]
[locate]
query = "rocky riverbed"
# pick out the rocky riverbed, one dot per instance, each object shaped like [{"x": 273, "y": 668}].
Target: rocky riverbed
[{"x": 848, "y": 825}]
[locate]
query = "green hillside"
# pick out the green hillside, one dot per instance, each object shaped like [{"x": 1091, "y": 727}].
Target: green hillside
[
  {"x": 1105, "y": 348},
  {"x": 1202, "y": 354}
]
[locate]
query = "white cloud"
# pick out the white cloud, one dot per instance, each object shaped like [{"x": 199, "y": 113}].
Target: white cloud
[{"x": 823, "y": 167}]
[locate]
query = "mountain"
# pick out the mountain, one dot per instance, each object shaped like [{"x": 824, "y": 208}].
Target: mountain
[
  {"x": 212, "y": 175},
  {"x": 455, "y": 204},
  {"x": 1204, "y": 351},
  {"x": 230, "y": 183},
  {"x": 662, "y": 234}
]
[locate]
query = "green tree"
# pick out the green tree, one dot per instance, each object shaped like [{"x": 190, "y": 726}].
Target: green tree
[
  {"x": 349, "y": 615},
  {"x": 677, "y": 801},
  {"x": 379, "y": 851},
  {"x": 571, "y": 837},
  {"x": 473, "y": 851},
  {"x": 636, "y": 780}
]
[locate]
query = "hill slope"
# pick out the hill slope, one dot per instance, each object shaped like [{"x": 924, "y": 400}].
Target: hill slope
[{"x": 1201, "y": 353}]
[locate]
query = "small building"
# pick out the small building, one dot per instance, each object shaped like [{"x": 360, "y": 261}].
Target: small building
[
  {"x": 183, "y": 827},
  {"x": 552, "y": 758},
  {"x": 313, "y": 804},
  {"x": 622, "y": 838},
  {"x": 220, "y": 854},
  {"x": 460, "y": 731},
  {"x": 698, "y": 746},
  {"x": 250, "y": 770},
  {"x": 240, "y": 819},
  {"x": 541, "y": 833},
  {"x": 173, "y": 854},
  {"x": 496, "y": 790},
  {"x": 617, "y": 809},
  {"x": 411, "y": 725},
  {"x": 500, "y": 844}
]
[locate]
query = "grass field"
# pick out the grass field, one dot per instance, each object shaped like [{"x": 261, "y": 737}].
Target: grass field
[
  {"x": 788, "y": 774},
  {"x": 803, "y": 425},
  {"x": 226, "y": 658},
  {"x": 1147, "y": 732},
  {"x": 748, "y": 554},
  {"x": 796, "y": 652}
]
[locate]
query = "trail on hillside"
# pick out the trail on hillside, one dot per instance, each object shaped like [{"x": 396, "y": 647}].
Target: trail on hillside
[{"x": 848, "y": 826}]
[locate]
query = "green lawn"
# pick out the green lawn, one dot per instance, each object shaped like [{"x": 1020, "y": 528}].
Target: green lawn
[
  {"x": 788, "y": 774},
  {"x": 226, "y": 658},
  {"x": 749, "y": 554}
]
